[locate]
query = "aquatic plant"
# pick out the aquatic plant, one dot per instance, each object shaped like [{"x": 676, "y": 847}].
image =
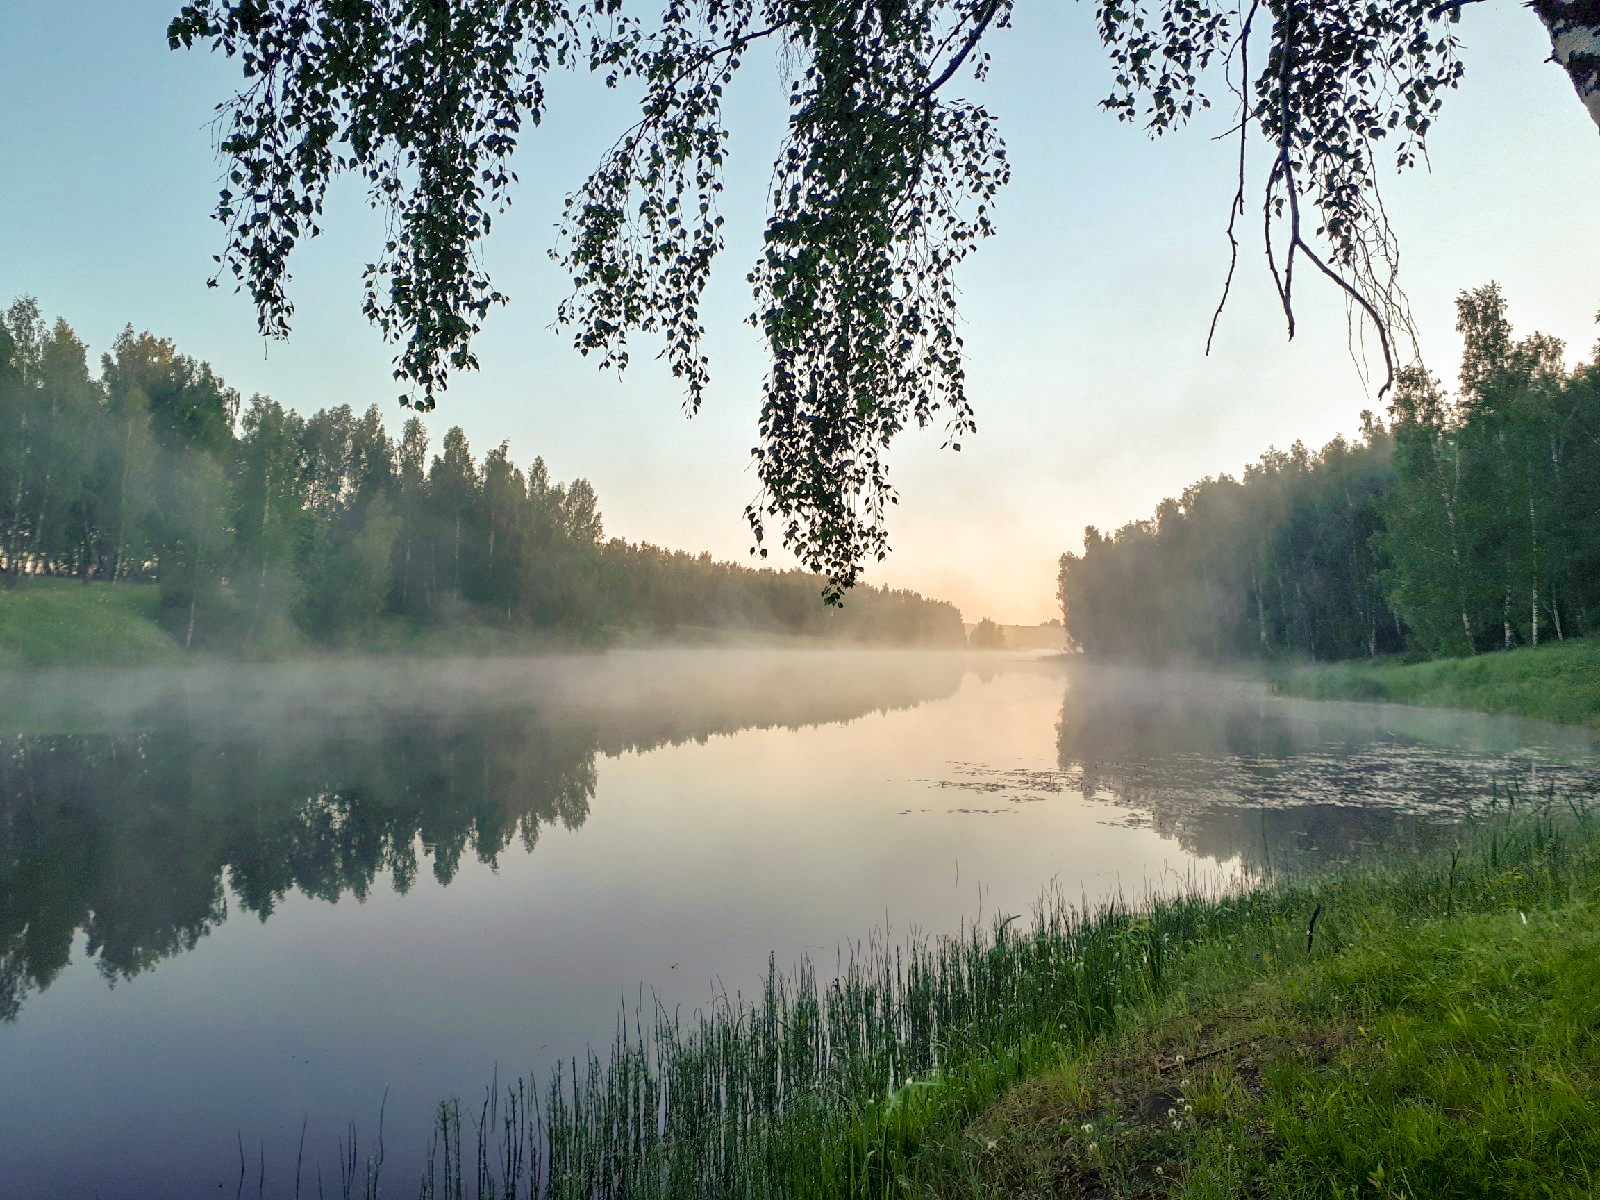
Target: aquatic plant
[{"x": 824, "y": 1087}]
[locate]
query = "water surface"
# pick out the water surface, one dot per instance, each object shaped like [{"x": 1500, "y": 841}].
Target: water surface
[{"x": 240, "y": 903}]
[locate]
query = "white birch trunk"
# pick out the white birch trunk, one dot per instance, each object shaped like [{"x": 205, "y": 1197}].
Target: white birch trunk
[{"x": 1574, "y": 27}]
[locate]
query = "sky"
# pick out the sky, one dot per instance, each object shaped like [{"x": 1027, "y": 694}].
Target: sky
[{"x": 1085, "y": 318}]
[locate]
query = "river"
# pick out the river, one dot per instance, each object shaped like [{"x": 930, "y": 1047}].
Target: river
[{"x": 245, "y": 910}]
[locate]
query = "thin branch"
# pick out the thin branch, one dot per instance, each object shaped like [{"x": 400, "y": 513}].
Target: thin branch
[
  {"x": 1284, "y": 282},
  {"x": 1237, "y": 207},
  {"x": 1377, "y": 321},
  {"x": 1450, "y": 6},
  {"x": 1296, "y": 242},
  {"x": 961, "y": 56},
  {"x": 736, "y": 46},
  {"x": 1287, "y": 165}
]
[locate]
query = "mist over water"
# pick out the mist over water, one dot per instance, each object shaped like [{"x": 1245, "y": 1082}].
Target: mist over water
[{"x": 238, "y": 900}]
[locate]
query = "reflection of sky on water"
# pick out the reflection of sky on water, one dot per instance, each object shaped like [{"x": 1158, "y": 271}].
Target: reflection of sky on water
[{"x": 472, "y": 867}]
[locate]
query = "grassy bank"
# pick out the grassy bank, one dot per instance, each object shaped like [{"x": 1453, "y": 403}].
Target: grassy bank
[
  {"x": 1424, "y": 1030},
  {"x": 47, "y": 622},
  {"x": 60, "y": 622},
  {"x": 1434, "y": 1035},
  {"x": 1559, "y": 681}
]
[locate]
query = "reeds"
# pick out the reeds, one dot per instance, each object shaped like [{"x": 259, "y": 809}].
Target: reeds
[
  {"x": 800, "y": 1089},
  {"x": 819, "y": 1087}
]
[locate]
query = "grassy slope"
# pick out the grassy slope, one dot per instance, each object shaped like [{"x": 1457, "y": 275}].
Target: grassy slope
[
  {"x": 60, "y": 622},
  {"x": 1559, "y": 681},
  {"x": 1439, "y": 1040}
]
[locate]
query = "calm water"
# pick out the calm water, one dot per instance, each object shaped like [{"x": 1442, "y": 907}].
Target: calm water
[{"x": 240, "y": 904}]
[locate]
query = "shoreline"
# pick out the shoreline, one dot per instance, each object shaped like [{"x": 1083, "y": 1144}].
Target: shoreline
[
  {"x": 62, "y": 623},
  {"x": 1558, "y": 682},
  {"x": 1289, "y": 1037}
]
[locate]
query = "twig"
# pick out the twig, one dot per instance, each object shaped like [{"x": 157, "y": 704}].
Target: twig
[
  {"x": 961, "y": 55},
  {"x": 1172, "y": 1066},
  {"x": 1237, "y": 207}
]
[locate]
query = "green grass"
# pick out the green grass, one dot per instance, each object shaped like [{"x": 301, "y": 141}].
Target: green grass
[
  {"x": 1439, "y": 1037},
  {"x": 1559, "y": 681},
  {"x": 1411, "y": 1053},
  {"x": 1427, "y": 1029},
  {"x": 60, "y": 622}
]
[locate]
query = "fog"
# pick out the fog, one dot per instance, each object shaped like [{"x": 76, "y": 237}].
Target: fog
[{"x": 637, "y": 698}]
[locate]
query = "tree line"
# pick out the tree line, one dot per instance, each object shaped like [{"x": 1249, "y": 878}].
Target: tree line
[
  {"x": 1470, "y": 522},
  {"x": 257, "y": 522}
]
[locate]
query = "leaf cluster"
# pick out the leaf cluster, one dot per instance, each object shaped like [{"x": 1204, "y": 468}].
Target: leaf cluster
[
  {"x": 879, "y": 191},
  {"x": 1339, "y": 78}
]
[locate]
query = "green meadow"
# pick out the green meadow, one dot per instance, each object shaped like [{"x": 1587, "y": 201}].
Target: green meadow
[
  {"x": 1558, "y": 681},
  {"x": 60, "y": 622}
]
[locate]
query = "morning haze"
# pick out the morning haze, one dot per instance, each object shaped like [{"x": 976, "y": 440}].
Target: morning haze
[{"x": 1196, "y": 777}]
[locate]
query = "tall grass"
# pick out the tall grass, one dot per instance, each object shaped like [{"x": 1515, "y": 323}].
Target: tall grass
[{"x": 824, "y": 1087}]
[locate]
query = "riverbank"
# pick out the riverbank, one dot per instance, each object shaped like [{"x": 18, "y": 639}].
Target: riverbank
[
  {"x": 59, "y": 622},
  {"x": 1559, "y": 681},
  {"x": 1420, "y": 1029},
  {"x": 1429, "y": 1033},
  {"x": 63, "y": 623},
  {"x": 49, "y": 622}
]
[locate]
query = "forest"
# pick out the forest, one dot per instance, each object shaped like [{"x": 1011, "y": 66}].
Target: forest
[
  {"x": 1470, "y": 522},
  {"x": 262, "y": 527}
]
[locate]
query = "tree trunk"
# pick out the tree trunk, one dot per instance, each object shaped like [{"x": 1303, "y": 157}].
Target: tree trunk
[
  {"x": 1261, "y": 612},
  {"x": 1533, "y": 532},
  {"x": 1505, "y": 612},
  {"x": 266, "y": 517},
  {"x": 122, "y": 501},
  {"x": 1447, "y": 501},
  {"x": 1574, "y": 27}
]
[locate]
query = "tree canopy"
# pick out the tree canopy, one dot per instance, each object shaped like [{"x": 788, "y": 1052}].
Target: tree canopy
[
  {"x": 883, "y": 184},
  {"x": 1468, "y": 524},
  {"x": 266, "y": 529}
]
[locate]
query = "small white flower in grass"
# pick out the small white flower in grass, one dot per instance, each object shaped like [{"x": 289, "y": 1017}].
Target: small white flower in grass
[
  {"x": 1087, "y": 1127},
  {"x": 1094, "y": 1147},
  {"x": 1524, "y": 917},
  {"x": 1159, "y": 1171}
]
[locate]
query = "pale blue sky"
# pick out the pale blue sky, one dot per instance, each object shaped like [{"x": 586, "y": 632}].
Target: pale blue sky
[{"x": 1086, "y": 318}]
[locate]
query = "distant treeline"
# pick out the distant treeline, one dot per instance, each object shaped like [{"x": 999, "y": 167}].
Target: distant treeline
[
  {"x": 253, "y": 519},
  {"x": 1467, "y": 524}
]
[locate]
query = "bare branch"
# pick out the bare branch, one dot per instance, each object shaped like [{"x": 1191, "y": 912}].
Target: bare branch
[{"x": 1236, "y": 209}]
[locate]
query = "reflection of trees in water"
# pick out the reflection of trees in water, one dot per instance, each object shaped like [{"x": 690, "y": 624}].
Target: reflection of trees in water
[
  {"x": 131, "y": 837},
  {"x": 1229, "y": 772}
]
